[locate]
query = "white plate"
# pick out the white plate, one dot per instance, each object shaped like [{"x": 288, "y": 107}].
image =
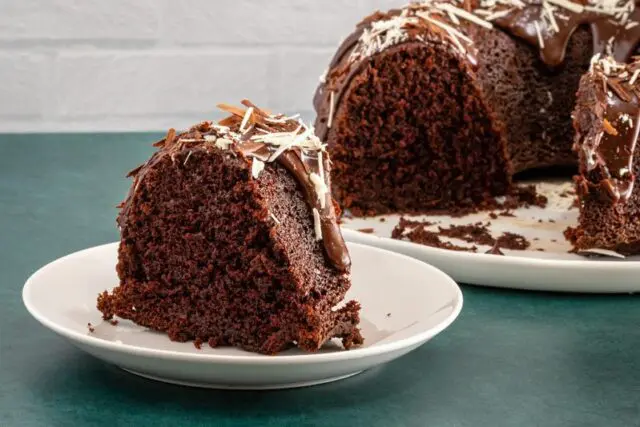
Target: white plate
[
  {"x": 555, "y": 269},
  {"x": 404, "y": 304}
]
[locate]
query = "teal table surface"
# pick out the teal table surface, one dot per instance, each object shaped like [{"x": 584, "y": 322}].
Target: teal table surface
[{"x": 511, "y": 359}]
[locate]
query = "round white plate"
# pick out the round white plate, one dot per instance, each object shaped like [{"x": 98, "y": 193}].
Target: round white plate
[
  {"x": 553, "y": 269},
  {"x": 404, "y": 304}
]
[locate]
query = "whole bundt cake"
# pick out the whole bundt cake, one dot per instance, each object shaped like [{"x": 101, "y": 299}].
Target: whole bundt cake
[
  {"x": 438, "y": 104},
  {"x": 229, "y": 236}
]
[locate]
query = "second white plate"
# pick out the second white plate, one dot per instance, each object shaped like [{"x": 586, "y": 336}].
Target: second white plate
[
  {"x": 404, "y": 304},
  {"x": 555, "y": 269}
]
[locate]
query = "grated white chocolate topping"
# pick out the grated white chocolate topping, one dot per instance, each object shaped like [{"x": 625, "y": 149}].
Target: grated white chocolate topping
[
  {"x": 301, "y": 138},
  {"x": 448, "y": 15}
]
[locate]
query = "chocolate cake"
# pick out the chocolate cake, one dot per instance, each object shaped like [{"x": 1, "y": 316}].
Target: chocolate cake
[
  {"x": 440, "y": 103},
  {"x": 607, "y": 121},
  {"x": 229, "y": 236}
]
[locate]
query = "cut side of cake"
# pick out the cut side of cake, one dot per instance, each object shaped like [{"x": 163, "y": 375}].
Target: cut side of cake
[
  {"x": 607, "y": 122},
  {"x": 229, "y": 236},
  {"x": 438, "y": 104}
]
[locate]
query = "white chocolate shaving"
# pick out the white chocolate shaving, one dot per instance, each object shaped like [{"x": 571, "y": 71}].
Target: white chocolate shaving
[
  {"x": 321, "y": 188},
  {"x": 317, "y": 225},
  {"x": 257, "y": 166}
]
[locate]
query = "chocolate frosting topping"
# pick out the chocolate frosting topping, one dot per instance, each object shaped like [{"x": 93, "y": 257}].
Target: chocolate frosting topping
[
  {"x": 549, "y": 24},
  {"x": 262, "y": 138}
]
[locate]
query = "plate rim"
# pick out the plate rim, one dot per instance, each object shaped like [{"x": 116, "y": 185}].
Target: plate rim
[
  {"x": 249, "y": 359},
  {"x": 513, "y": 260}
]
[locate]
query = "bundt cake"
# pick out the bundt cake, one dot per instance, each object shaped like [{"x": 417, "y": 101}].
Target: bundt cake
[
  {"x": 229, "y": 236},
  {"x": 439, "y": 103},
  {"x": 607, "y": 121}
]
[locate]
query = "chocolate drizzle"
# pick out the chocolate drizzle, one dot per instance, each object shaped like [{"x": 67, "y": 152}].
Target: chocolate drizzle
[
  {"x": 302, "y": 167},
  {"x": 548, "y": 25},
  {"x": 260, "y": 138},
  {"x": 609, "y": 144}
]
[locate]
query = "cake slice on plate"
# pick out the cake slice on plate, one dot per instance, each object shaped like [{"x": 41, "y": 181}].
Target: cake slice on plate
[
  {"x": 229, "y": 236},
  {"x": 607, "y": 121}
]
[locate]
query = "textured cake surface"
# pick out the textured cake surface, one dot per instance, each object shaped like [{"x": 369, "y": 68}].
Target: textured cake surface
[
  {"x": 607, "y": 122},
  {"x": 439, "y": 103},
  {"x": 229, "y": 236}
]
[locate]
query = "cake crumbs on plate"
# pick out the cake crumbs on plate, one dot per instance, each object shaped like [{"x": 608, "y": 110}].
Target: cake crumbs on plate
[
  {"x": 366, "y": 230},
  {"x": 416, "y": 232},
  {"x": 91, "y": 328},
  {"x": 477, "y": 233}
]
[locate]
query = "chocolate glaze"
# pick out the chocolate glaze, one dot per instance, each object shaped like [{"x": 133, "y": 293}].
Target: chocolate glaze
[
  {"x": 301, "y": 166},
  {"x": 521, "y": 23},
  {"x": 301, "y": 163}
]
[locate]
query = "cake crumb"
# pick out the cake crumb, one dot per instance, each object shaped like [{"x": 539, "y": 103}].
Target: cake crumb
[
  {"x": 493, "y": 215},
  {"x": 91, "y": 328},
  {"x": 114, "y": 322},
  {"x": 197, "y": 343},
  {"x": 383, "y": 219},
  {"x": 366, "y": 230},
  {"x": 513, "y": 241},
  {"x": 388, "y": 314}
]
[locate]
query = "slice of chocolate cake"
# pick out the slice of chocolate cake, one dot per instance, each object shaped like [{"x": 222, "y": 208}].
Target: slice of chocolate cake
[
  {"x": 229, "y": 236},
  {"x": 607, "y": 121},
  {"x": 439, "y": 103}
]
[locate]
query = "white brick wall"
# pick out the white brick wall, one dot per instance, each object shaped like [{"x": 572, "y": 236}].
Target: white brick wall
[{"x": 98, "y": 65}]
